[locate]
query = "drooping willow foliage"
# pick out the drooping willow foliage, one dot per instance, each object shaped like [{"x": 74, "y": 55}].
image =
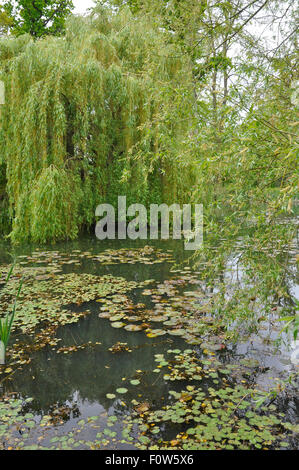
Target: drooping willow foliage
[{"x": 100, "y": 112}]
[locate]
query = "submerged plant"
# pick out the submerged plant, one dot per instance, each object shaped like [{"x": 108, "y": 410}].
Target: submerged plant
[{"x": 6, "y": 323}]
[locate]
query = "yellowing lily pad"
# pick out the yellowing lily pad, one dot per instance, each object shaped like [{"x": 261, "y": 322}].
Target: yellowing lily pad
[
  {"x": 117, "y": 324},
  {"x": 158, "y": 318},
  {"x": 117, "y": 317},
  {"x": 104, "y": 315},
  {"x": 154, "y": 333},
  {"x": 133, "y": 327}
]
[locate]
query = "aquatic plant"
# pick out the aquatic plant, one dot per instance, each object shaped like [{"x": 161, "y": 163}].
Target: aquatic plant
[
  {"x": 215, "y": 407},
  {"x": 6, "y": 323}
]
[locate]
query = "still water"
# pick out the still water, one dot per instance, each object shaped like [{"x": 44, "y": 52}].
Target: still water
[{"x": 72, "y": 388}]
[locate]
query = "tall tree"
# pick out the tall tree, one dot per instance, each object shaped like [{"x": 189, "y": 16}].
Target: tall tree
[
  {"x": 38, "y": 17},
  {"x": 102, "y": 113},
  {"x": 5, "y": 22}
]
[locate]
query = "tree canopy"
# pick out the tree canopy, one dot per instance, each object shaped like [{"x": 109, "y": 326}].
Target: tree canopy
[
  {"x": 103, "y": 111},
  {"x": 37, "y": 17}
]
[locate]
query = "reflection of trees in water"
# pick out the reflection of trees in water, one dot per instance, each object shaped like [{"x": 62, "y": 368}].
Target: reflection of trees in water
[
  {"x": 58, "y": 376},
  {"x": 271, "y": 275}
]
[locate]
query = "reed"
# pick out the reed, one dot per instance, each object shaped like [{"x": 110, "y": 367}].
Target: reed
[{"x": 7, "y": 322}]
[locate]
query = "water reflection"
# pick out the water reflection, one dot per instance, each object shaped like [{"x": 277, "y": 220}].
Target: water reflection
[{"x": 76, "y": 384}]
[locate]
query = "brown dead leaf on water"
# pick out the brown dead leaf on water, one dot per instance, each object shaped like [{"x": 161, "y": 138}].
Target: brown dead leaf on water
[{"x": 142, "y": 408}]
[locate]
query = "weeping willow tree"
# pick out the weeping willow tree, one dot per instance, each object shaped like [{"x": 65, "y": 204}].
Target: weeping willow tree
[{"x": 101, "y": 112}]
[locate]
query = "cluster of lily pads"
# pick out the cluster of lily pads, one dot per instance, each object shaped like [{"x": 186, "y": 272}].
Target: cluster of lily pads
[
  {"x": 48, "y": 300},
  {"x": 56, "y": 259},
  {"x": 175, "y": 312},
  {"x": 44, "y": 299},
  {"x": 208, "y": 405},
  {"x": 20, "y": 430},
  {"x": 214, "y": 410}
]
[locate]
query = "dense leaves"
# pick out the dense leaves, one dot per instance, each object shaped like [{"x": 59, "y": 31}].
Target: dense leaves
[
  {"x": 100, "y": 113},
  {"x": 37, "y": 17}
]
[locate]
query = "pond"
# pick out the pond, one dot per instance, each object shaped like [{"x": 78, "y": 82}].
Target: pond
[{"x": 115, "y": 346}]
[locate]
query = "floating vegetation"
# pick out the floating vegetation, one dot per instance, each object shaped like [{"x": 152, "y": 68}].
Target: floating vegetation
[
  {"x": 117, "y": 324},
  {"x": 53, "y": 261},
  {"x": 121, "y": 390},
  {"x": 208, "y": 407},
  {"x": 111, "y": 396},
  {"x": 204, "y": 401},
  {"x": 133, "y": 327},
  {"x": 220, "y": 416},
  {"x": 120, "y": 347},
  {"x": 135, "y": 382},
  {"x": 145, "y": 255},
  {"x": 75, "y": 348},
  {"x": 179, "y": 313},
  {"x": 45, "y": 300},
  {"x": 49, "y": 300}
]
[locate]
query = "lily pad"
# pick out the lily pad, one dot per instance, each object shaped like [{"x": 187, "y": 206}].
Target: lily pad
[
  {"x": 178, "y": 332},
  {"x": 117, "y": 317},
  {"x": 154, "y": 333},
  {"x": 158, "y": 318},
  {"x": 133, "y": 327},
  {"x": 135, "y": 382},
  {"x": 117, "y": 324},
  {"x": 211, "y": 346},
  {"x": 104, "y": 315}
]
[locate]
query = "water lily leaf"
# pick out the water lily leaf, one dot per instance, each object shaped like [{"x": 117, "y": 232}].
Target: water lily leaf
[
  {"x": 133, "y": 327},
  {"x": 117, "y": 324},
  {"x": 158, "y": 318},
  {"x": 178, "y": 332},
  {"x": 154, "y": 333},
  {"x": 117, "y": 317},
  {"x": 122, "y": 390},
  {"x": 143, "y": 408},
  {"x": 135, "y": 382},
  {"x": 104, "y": 315},
  {"x": 172, "y": 322},
  {"x": 211, "y": 346},
  {"x": 144, "y": 439}
]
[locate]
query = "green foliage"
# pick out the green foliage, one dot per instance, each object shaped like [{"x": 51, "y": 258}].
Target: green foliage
[
  {"x": 220, "y": 415},
  {"x": 6, "y": 323},
  {"x": 293, "y": 321},
  {"x": 39, "y": 17},
  {"x": 181, "y": 20},
  {"x": 100, "y": 113},
  {"x": 5, "y": 21}
]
